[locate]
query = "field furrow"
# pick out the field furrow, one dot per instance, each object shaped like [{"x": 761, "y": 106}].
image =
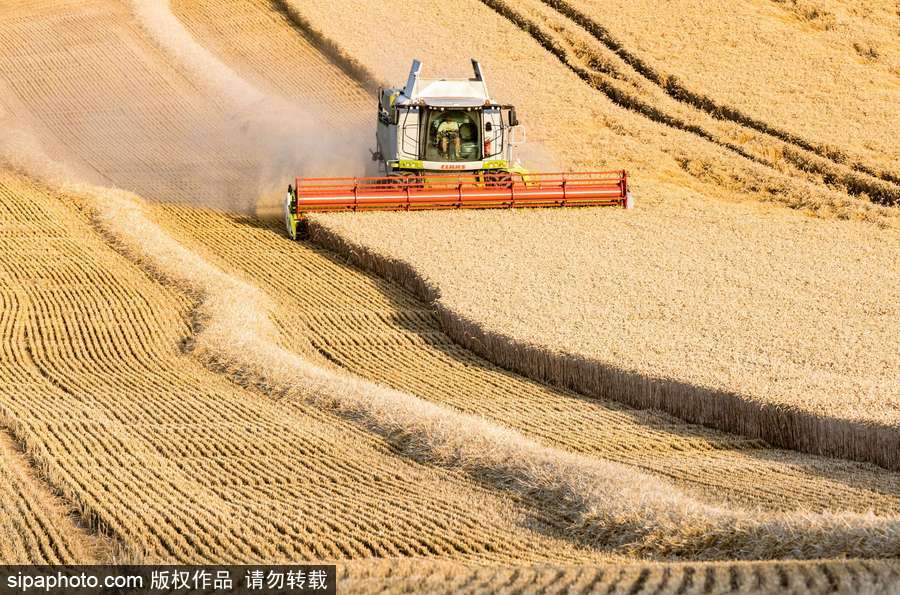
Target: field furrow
[
  {"x": 645, "y": 579},
  {"x": 196, "y": 388}
]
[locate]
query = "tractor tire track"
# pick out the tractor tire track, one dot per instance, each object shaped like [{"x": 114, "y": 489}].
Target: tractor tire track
[
  {"x": 703, "y": 102},
  {"x": 603, "y": 76}
]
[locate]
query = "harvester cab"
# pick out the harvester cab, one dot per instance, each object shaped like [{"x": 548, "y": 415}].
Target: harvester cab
[
  {"x": 445, "y": 144},
  {"x": 445, "y": 125}
]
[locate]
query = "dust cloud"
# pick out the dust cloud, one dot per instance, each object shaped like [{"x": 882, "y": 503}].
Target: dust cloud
[
  {"x": 167, "y": 120},
  {"x": 270, "y": 139}
]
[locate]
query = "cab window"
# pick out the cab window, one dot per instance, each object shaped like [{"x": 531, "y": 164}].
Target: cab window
[{"x": 453, "y": 135}]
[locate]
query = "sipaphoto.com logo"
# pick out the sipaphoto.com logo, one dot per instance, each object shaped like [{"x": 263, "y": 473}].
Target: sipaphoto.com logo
[
  {"x": 149, "y": 579},
  {"x": 69, "y": 580}
]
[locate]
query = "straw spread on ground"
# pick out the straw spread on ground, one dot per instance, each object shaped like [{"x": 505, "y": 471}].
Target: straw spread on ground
[
  {"x": 379, "y": 331},
  {"x": 157, "y": 452},
  {"x": 178, "y": 473}
]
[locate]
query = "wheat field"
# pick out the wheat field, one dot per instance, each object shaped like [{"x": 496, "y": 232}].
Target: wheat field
[{"x": 181, "y": 383}]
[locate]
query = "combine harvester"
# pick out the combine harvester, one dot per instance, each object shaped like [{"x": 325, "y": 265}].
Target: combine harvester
[{"x": 445, "y": 144}]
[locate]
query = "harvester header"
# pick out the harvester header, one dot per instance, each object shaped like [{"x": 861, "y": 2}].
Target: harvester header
[{"x": 445, "y": 144}]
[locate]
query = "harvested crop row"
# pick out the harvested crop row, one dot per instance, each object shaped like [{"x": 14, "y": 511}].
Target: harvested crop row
[
  {"x": 263, "y": 47},
  {"x": 179, "y": 464},
  {"x": 645, "y": 579},
  {"x": 381, "y": 332},
  {"x": 34, "y": 527},
  {"x": 758, "y": 334},
  {"x": 129, "y": 114}
]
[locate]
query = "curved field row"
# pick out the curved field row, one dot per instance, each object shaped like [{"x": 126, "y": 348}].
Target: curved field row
[
  {"x": 180, "y": 464},
  {"x": 379, "y": 331},
  {"x": 599, "y": 503},
  {"x": 583, "y": 45},
  {"x": 688, "y": 265},
  {"x": 35, "y": 528},
  {"x": 762, "y": 335}
]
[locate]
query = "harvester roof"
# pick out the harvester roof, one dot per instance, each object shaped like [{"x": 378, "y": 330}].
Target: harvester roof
[{"x": 448, "y": 92}]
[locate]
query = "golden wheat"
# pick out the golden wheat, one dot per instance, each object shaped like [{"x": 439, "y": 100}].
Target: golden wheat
[
  {"x": 820, "y": 70},
  {"x": 35, "y": 528},
  {"x": 602, "y": 504},
  {"x": 179, "y": 464},
  {"x": 644, "y": 579},
  {"x": 771, "y": 331}
]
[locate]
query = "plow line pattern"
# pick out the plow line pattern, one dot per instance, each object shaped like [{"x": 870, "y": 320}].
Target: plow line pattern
[{"x": 379, "y": 331}]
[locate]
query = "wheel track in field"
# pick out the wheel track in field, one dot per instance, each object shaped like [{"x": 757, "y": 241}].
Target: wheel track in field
[
  {"x": 177, "y": 462},
  {"x": 619, "y": 75},
  {"x": 698, "y": 100},
  {"x": 376, "y": 330}
]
